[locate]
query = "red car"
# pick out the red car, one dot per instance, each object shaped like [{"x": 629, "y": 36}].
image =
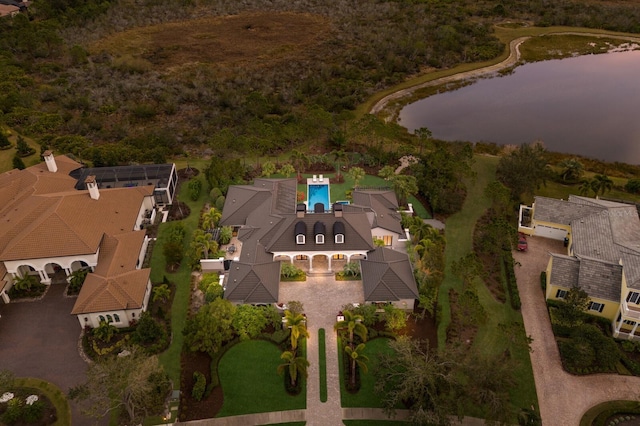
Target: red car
[{"x": 522, "y": 242}]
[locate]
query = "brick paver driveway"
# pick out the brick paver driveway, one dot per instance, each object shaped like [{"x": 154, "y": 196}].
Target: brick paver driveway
[
  {"x": 40, "y": 339},
  {"x": 563, "y": 398}
]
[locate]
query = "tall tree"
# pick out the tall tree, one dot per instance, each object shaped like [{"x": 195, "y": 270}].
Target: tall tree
[
  {"x": 297, "y": 324},
  {"x": 428, "y": 380},
  {"x": 404, "y": 187},
  {"x": 572, "y": 169},
  {"x": 135, "y": 382},
  {"x": 356, "y": 359},
  {"x": 300, "y": 161},
  {"x": 524, "y": 169},
  {"x": 296, "y": 365},
  {"x": 210, "y": 218},
  {"x": 210, "y": 327},
  {"x": 353, "y": 324},
  {"x": 357, "y": 174},
  {"x": 601, "y": 183}
]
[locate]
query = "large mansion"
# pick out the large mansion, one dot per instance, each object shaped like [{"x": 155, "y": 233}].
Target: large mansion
[
  {"x": 51, "y": 225},
  {"x": 603, "y": 255},
  {"x": 273, "y": 228}
]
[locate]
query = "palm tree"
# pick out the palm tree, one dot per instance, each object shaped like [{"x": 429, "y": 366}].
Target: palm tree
[
  {"x": 353, "y": 324},
  {"x": 586, "y": 186},
  {"x": 601, "y": 184},
  {"x": 386, "y": 172},
  {"x": 297, "y": 323},
  {"x": 23, "y": 283},
  {"x": 340, "y": 158},
  {"x": 211, "y": 218},
  {"x": 162, "y": 292},
  {"x": 357, "y": 174},
  {"x": 572, "y": 169},
  {"x": 295, "y": 364},
  {"x": 404, "y": 186},
  {"x": 357, "y": 358},
  {"x": 529, "y": 417},
  {"x": 203, "y": 243},
  {"x": 299, "y": 160}
]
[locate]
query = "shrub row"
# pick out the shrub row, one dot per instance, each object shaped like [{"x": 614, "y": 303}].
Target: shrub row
[
  {"x": 511, "y": 283},
  {"x": 110, "y": 349},
  {"x": 199, "y": 386}
]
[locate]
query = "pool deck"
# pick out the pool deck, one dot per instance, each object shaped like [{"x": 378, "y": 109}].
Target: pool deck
[{"x": 318, "y": 180}]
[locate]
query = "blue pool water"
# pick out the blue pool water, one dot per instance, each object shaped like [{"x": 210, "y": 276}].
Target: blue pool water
[{"x": 318, "y": 194}]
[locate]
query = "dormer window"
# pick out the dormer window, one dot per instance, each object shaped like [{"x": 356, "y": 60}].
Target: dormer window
[
  {"x": 300, "y": 232},
  {"x": 319, "y": 231},
  {"x": 338, "y": 232}
]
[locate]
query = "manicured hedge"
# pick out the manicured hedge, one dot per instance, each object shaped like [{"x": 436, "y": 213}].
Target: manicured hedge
[{"x": 511, "y": 283}]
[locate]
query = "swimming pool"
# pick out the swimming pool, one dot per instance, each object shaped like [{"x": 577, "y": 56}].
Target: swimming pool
[{"x": 318, "y": 193}]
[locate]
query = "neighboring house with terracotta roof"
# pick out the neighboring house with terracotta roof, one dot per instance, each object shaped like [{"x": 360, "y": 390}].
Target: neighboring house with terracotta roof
[
  {"x": 49, "y": 229},
  {"x": 273, "y": 228},
  {"x": 603, "y": 255}
]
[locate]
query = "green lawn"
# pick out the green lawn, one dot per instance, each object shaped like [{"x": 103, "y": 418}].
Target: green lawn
[
  {"x": 250, "y": 382},
  {"x": 6, "y": 155},
  {"x": 322, "y": 361},
  {"x": 365, "y": 397},
  {"x": 170, "y": 359},
  {"x": 51, "y": 391},
  {"x": 489, "y": 340}
]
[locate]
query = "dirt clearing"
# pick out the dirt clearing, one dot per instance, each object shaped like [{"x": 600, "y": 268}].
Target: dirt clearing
[{"x": 248, "y": 39}]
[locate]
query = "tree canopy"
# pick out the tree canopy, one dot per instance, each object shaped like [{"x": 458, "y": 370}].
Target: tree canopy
[{"x": 524, "y": 169}]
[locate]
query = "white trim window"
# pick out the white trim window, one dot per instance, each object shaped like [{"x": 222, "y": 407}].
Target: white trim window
[
  {"x": 339, "y": 238},
  {"x": 633, "y": 297},
  {"x": 320, "y": 239},
  {"x": 300, "y": 239},
  {"x": 561, "y": 294},
  {"x": 595, "y": 306}
]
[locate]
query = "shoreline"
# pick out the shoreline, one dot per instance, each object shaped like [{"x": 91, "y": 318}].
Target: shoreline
[{"x": 512, "y": 59}]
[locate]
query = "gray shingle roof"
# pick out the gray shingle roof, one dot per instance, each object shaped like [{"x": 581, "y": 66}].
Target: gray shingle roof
[
  {"x": 387, "y": 275},
  {"x": 564, "y": 271},
  {"x": 385, "y": 206},
  {"x": 561, "y": 211},
  {"x": 605, "y": 233},
  {"x": 600, "y": 279},
  {"x": 257, "y": 283}
]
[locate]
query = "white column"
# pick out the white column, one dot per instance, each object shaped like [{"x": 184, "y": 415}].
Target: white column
[
  {"x": 310, "y": 263},
  {"x": 633, "y": 331},
  {"x": 329, "y": 260},
  {"x": 44, "y": 277}
]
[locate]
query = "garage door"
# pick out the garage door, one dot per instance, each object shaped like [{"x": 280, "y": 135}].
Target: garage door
[{"x": 550, "y": 232}]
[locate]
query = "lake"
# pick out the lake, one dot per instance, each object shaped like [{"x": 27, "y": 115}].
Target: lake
[{"x": 587, "y": 105}]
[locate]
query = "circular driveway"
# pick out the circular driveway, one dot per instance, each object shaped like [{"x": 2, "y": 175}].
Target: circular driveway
[
  {"x": 563, "y": 397},
  {"x": 40, "y": 339}
]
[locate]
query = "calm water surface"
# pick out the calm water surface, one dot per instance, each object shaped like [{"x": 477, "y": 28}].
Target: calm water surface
[{"x": 588, "y": 105}]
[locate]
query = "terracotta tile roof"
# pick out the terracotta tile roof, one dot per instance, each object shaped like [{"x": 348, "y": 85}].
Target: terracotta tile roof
[
  {"x": 124, "y": 291},
  {"x": 75, "y": 224},
  {"x": 119, "y": 254}
]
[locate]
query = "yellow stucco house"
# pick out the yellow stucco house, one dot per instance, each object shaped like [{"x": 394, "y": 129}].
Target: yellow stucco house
[{"x": 603, "y": 255}]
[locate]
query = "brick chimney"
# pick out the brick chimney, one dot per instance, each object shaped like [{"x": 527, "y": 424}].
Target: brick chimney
[
  {"x": 50, "y": 161},
  {"x": 92, "y": 186}
]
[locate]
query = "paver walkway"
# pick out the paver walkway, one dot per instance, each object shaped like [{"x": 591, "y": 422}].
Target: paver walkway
[
  {"x": 563, "y": 398},
  {"x": 323, "y": 298}
]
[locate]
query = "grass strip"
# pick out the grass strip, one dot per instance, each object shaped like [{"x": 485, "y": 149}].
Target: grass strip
[
  {"x": 51, "y": 391},
  {"x": 322, "y": 361}
]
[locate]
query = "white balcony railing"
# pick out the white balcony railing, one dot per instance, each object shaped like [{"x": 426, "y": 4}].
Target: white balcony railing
[{"x": 630, "y": 310}]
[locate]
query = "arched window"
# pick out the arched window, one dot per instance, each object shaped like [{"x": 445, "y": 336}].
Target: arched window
[
  {"x": 109, "y": 319},
  {"x": 101, "y": 318},
  {"x": 116, "y": 317}
]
